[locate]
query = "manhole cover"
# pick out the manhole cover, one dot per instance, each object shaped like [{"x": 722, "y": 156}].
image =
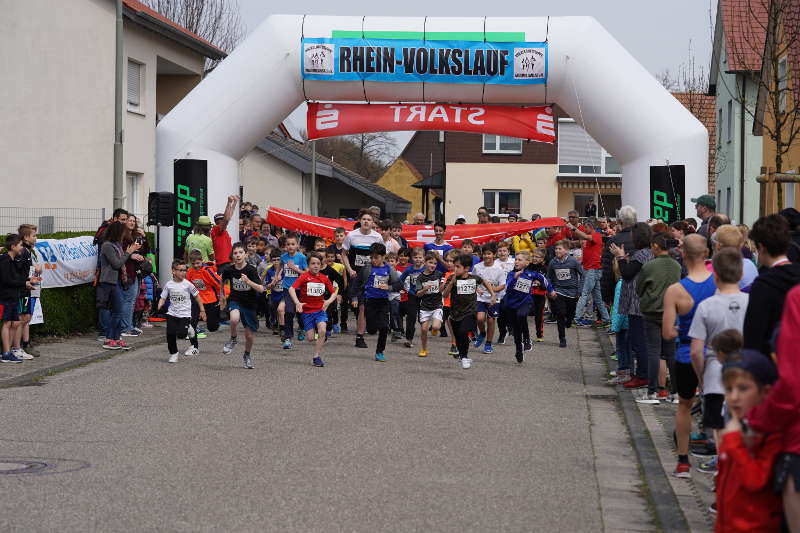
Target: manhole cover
[{"x": 38, "y": 465}]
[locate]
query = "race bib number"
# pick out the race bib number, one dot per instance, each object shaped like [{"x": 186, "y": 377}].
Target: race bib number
[
  {"x": 379, "y": 281},
  {"x": 289, "y": 273},
  {"x": 465, "y": 286},
  {"x": 239, "y": 285},
  {"x": 200, "y": 284},
  {"x": 431, "y": 286},
  {"x": 315, "y": 289},
  {"x": 177, "y": 298},
  {"x": 361, "y": 260},
  {"x": 563, "y": 274},
  {"x": 522, "y": 285}
]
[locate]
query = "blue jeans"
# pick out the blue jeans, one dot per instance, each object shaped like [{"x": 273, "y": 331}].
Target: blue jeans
[
  {"x": 623, "y": 350},
  {"x": 129, "y": 295},
  {"x": 637, "y": 341},
  {"x": 110, "y": 319},
  {"x": 591, "y": 285}
]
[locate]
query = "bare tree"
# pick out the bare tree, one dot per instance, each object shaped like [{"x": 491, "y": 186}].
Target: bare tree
[
  {"x": 765, "y": 35},
  {"x": 368, "y": 154},
  {"x": 217, "y": 21}
]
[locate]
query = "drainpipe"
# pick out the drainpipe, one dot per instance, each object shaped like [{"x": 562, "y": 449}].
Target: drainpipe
[
  {"x": 742, "y": 153},
  {"x": 118, "y": 198},
  {"x": 313, "y": 178}
]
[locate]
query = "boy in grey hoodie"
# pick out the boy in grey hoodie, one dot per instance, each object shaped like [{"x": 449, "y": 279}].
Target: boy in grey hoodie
[{"x": 566, "y": 275}]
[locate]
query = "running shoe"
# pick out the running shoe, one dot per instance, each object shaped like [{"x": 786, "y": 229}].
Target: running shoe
[
  {"x": 479, "y": 340},
  {"x": 396, "y": 336},
  {"x": 276, "y": 331},
  {"x": 713, "y": 508},
  {"x": 584, "y": 323},
  {"x": 466, "y": 363},
  {"x": 380, "y": 357},
  {"x": 423, "y": 353},
  {"x": 636, "y": 383},
  {"x": 501, "y": 339},
  {"x": 601, "y": 324},
  {"x": 562, "y": 343},
  {"x": 360, "y": 342},
  {"x": 192, "y": 351},
  {"x": 683, "y": 471},
  {"x": 487, "y": 348},
  {"x": 287, "y": 344},
  {"x": 111, "y": 345},
  {"x": 708, "y": 467},
  {"x": 202, "y": 335},
  {"x": 528, "y": 345},
  {"x": 248, "y": 362},
  {"x": 173, "y": 358},
  {"x": 619, "y": 379},
  {"x": 123, "y": 345},
  {"x": 137, "y": 330},
  {"x": 518, "y": 356},
  {"x": 703, "y": 451},
  {"x": 453, "y": 351},
  {"x": 318, "y": 362},
  {"x": 408, "y": 344},
  {"x": 663, "y": 394},
  {"x": 9, "y": 357},
  {"x": 336, "y": 329},
  {"x": 301, "y": 336},
  {"x": 434, "y": 332},
  {"x": 129, "y": 334},
  {"x": 22, "y": 354},
  {"x": 550, "y": 320},
  {"x": 539, "y": 339},
  {"x": 613, "y": 356},
  {"x": 650, "y": 398},
  {"x": 228, "y": 346}
]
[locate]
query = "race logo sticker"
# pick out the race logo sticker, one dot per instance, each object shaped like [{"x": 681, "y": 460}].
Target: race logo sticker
[
  {"x": 318, "y": 58},
  {"x": 529, "y": 63}
]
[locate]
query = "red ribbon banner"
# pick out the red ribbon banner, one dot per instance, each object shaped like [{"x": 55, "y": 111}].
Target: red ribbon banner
[
  {"x": 329, "y": 120},
  {"x": 415, "y": 235}
]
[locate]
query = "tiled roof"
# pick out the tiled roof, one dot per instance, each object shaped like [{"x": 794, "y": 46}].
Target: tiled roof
[
  {"x": 142, "y": 10},
  {"x": 791, "y": 24},
  {"x": 745, "y": 24},
  {"x": 703, "y": 106}
]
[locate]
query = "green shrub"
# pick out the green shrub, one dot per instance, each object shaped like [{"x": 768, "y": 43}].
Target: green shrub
[{"x": 67, "y": 310}]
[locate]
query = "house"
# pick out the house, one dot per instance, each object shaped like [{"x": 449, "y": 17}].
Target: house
[
  {"x": 278, "y": 172},
  {"x": 735, "y": 67},
  {"x": 57, "y": 138},
  {"x": 703, "y": 107},
  {"x": 402, "y": 178},
  {"x": 783, "y": 45}
]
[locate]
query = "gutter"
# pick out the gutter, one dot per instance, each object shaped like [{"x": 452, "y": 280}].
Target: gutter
[{"x": 160, "y": 27}]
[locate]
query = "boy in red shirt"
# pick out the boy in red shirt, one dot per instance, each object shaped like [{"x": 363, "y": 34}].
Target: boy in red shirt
[
  {"x": 207, "y": 281},
  {"x": 746, "y": 500},
  {"x": 311, "y": 303}
]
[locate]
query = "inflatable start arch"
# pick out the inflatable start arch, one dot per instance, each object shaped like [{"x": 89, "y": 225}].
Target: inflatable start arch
[{"x": 571, "y": 61}]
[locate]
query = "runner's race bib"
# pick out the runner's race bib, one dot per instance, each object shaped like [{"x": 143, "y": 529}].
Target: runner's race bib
[
  {"x": 361, "y": 260},
  {"x": 431, "y": 286},
  {"x": 315, "y": 289},
  {"x": 563, "y": 274},
  {"x": 177, "y": 298},
  {"x": 379, "y": 281},
  {"x": 289, "y": 273},
  {"x": 522, "y": 285},
  {"x": 465, "y": 286},
  {"x": 239, "y": 285}
]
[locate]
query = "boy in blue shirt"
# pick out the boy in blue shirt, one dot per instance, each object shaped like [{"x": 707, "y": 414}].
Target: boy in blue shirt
[
  {"x": 409, "y": 279},
  {"x": 375, "y": 281},
  {"x": 273, "y": 282},
  {"x": 294, "y": 264},
  {"x": 439, "y": 245}
]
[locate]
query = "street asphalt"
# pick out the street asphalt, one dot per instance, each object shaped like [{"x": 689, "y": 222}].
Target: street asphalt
[{"x": 413, "y": 444}]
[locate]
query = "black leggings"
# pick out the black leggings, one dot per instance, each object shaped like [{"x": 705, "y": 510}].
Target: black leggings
[
  {"x": 538, "y": 313},
  {"x": 377, "y": 315},
  {"x": 564, "y": 309},
  {"x": 178, "y": 328},
  {"x": 412, "y": 316},
  {"x": 461, "y": 329},
  {"x": 518, "y": 319}
]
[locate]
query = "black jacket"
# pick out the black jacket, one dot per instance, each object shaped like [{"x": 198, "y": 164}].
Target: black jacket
[
  {"x": 765, "y": 307},
  {"x": 12, "y": 279},
  {"x": 624, "y": 238}
]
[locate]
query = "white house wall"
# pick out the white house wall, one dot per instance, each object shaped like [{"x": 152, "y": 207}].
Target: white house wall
[{"x": 267, "y": 180}]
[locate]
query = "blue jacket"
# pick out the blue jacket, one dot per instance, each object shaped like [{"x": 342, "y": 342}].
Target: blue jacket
[{"x": 519, "y": 291}]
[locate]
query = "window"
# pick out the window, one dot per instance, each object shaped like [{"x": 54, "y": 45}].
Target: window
[
  {"x": 132, "y": 196},
  {"x": 782, "y": 84},
  {"x": 501, "y": 202},
  {"x": 612, "y": 166},
  {"x": 500, "y": 144},
  {"x": 579, "y": 153},
  {"x": 135, "y": 83},
  {"x": 729, "y": 125},
  {"x": 719, "y": 127}
]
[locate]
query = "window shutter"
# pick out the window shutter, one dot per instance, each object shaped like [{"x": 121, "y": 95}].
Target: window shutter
[
  {"x": 576, "y": 147},
  {"x": 134, "y": 83}
]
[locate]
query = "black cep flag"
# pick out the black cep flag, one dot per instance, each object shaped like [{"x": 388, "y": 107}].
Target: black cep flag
[
  {"x": 191, "y": 199},
  {"x": 667, "y": 192}
]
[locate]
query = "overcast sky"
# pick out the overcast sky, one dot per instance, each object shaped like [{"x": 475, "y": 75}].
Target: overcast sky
[{"x": 660, "y": 34}]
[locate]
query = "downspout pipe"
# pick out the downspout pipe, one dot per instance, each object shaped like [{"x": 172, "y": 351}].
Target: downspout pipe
[
  {"x": 742, "y": 152},
  {"x": 118, "y": 133}
]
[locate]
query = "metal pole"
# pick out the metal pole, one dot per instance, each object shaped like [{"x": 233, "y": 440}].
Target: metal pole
[
  {"x": 314, "y": 178},
  {"x": 118, "y": 197}
]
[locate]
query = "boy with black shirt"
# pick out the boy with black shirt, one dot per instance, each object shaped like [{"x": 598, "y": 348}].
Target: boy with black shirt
[
  {"x": 565, "y": 273},
  {"x": 430, "y": 301},
  {"x": 273, "y": 282},
  {"x": 357, "y": 245},
  {"x": 12, "y": 281},
  {"x": 242, "y": 304},
  {"x": 462, "y": 287},
  {"x": 337, "y": 280}
]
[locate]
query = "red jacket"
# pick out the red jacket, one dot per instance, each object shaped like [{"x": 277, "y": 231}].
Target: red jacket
[
  {"x": 745, "y": 499},
  {"x": 780, "y": 410}
]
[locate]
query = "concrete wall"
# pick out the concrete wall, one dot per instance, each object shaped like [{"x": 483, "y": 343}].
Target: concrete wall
[
  {"x": 466, "y": 182},
  {"x": 269, "y": 181},
  {"x": 170, "y": 89},
  {"x": 57, "y": 103}
]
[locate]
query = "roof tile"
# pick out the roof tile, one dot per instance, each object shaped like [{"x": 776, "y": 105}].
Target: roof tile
[
  {"x": 703, "y": 107},
  {"x": 137, "y": 6},
  {"x": 745, "y": 25}
]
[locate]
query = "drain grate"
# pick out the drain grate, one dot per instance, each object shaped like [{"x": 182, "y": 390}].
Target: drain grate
[{"x": 38, "y": 465}]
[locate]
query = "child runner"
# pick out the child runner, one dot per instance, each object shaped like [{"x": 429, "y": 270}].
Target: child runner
[
  {"x": 430, "y": 301},
  {"x": 462, "y": 288},
  {"x": 311, "y": 303},
  {"x": 520, "y": 283},
  {"x": 242, "y": 302},
  {"x": 373, "y": 285},
  {"x": 252, "y": 252},
  {"x": 449, "y": 261},
  {"x": 746, "y": 499},
  {"x": 28, "y": 298},
  {"x": 564, "y": 272},
  {"x": 409, "y": 278},
  {"x": 438, "y": 245},
  {"x": 181, "y": 292},
  {"x": 491, "y": 272},
  {"x": 273, "y": 282},
  {"x": 395, "y": 322},
  {"x": 403, "y": 257},
  {"x": 506, "y": 262},
  {"x": 207, "y": 281},
  {"x": 336, "y": 278},
  {"x": 539, "y": 293},
  {"x": 338, "y": 238},
  {"x": 294, "y": 264},
  {"x": 468, "y": 248},
  {"x": 12, "y": 281}
]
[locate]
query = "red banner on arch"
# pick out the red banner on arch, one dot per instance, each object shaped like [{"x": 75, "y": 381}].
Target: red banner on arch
[{"x": 328, "y": 120}]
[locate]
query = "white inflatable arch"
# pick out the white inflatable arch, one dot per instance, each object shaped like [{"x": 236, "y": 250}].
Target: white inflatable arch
[{"x": 590, "y": 75}]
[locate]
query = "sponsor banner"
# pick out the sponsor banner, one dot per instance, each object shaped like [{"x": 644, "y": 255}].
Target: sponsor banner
[
  {"x": 191, "y": 190},
  {"x": 328, "y": 120},
  {"x": 414, "y": 61},
  {"x": 667, "y": 192},
  {"x": 38, "y": 316},
  {"x": 67, "y": 262},
  {"x": 415, "y": 235}
]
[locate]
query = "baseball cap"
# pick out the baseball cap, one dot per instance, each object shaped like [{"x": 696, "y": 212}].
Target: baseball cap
[
  {"x": 203, "y": 220},
  {"x": 706, "y": 200},
  {"x": 218, "y": 216},
  {"x": 758, "y": 364},
  {"x": 461, "y": 217}
]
